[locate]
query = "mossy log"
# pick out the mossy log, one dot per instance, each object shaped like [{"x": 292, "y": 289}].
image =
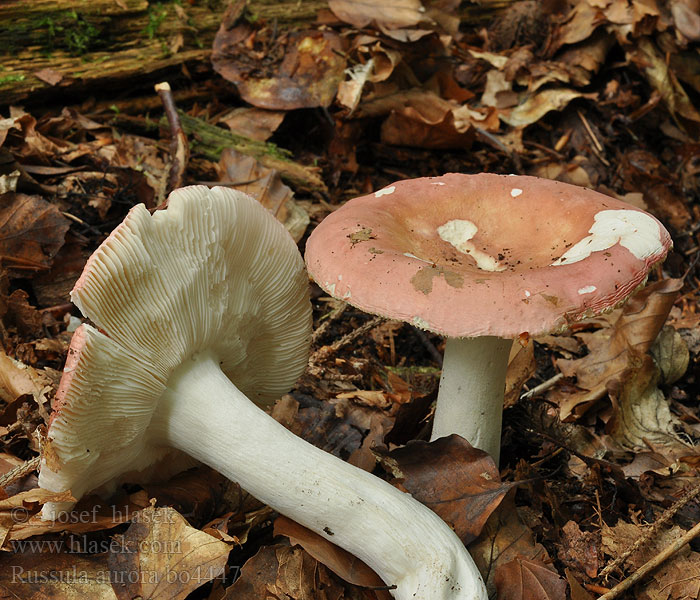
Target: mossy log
[
  {"x": 107, "y": 47},
  {"x": 101, "y": 46},
  {"x": 210, "y": 141}
]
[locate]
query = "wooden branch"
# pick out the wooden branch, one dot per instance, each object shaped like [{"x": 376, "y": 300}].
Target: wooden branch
[
  {"x": 119, "y": 45},
  {"x": 107, "y": 44},
  {"x": 179, "y": 148},
  {"x": 210, "y": 140}
]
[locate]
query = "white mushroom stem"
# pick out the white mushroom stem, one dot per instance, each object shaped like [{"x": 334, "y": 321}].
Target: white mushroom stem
[
  {"x": 205, "y": 415},
  {"x": 470, "y": 399}
]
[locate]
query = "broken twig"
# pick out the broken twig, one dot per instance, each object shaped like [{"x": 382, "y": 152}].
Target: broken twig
[{"x": 179, "y": 148}]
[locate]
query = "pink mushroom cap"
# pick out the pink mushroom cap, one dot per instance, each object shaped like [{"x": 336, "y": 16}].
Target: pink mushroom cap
[{"x": 472, "y": 255}]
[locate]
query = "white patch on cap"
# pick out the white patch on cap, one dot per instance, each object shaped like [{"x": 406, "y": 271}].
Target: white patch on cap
[
  {"x": 515, "y": 192},
  {"x": 420, "y": 323},
  {"x": 458, "y": 232},
  {"x": 634, "y": 230},
  {"x": 439, "y": 183},
  {"x": 527, "y": 293},
  {"x": 385, "y": 192},
  {"x": 409, "y": 255},
  {"x": 340, "y": 277},
  {"x": 589, "y": 289},
  {"x": 330, "y": 288}
]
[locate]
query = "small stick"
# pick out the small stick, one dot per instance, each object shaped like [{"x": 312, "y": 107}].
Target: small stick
[
  {"x": 666, "y": 516},
  {"x": 19, "y": 471},
  {"x": 331, "y": 318},
  {"x": 597, "y": 146},
  {"x": 179, "y": 149},
  {"x": 326, "y": 351},
  {"x": 542, "y": 387},
  {"x": 651, "y": 564}
]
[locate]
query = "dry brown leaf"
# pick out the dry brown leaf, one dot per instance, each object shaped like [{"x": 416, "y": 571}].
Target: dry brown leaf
[
  {"x": 526, "y": 579},
  {"x": 90, "y": 514},
  {"x": 36, "y": 496},
  {"x": 308, "y": 75},
  {"x": 578, "y": 592},
  {"x": 652, "y": 62},
  {"x": 504, "y": 539},
  {"x": 647, "y": 462},
  {"x": 341, "y": 562},
  {"x": 31, "y": 233},
  {"x": 161, "y": 557},
  {"x": 283, "y": 572},
  {"x": 197, "y": 493},
  {"x": 394, "y": 15},
  {"x": 498, "y": 91},
  {"x": 371, "y": 398},
  {"x": 458, "y": 482},
  {"x": 364, "y": 457},
  {"x": 18, "y": 379},
  {"x": 33, "y": 145},
  {"x": 642, "y": 170},
  {"x": 423, "y": 126},
  {"x": 671, "y": 354},
  {"x": 579, "y": 25},
  {"x": 55, "y": 576},
  {"x": 686, "y": 16},
  {"x": 642, "y": 417},
  {"x": 568, "y": 173},
  {"x": 48, "y": 75},
  {"x": 532, "y": 107},
  {"x": 53, "y": 287},
  {"x": 17, "y": 510},
  {"x": 265, "y": 185},
  {"x": 579, "y": 549},
  {"x": 676, "y": 579},
  {"x": 28, "y": 320},
  {"x": 521, "y": 367},
  {"x": 254, "y": 123},
  {"x": 421, "y": 119},
  {"x": 585, "y": 59},
  {"x": 613, "y": 349}
]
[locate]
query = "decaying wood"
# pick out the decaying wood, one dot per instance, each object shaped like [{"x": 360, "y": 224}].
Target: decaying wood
[
  {"x": 107, "y": 44},
  {"x": 210, "y": 140}
]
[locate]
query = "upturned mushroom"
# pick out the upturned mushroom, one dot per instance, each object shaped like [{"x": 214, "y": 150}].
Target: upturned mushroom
[
  {"x": 200, "y": 307},
  {"x": 482, "y": 259}
]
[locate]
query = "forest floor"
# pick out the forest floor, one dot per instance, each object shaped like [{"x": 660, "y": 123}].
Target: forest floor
[{"x": 599, "y": 468}]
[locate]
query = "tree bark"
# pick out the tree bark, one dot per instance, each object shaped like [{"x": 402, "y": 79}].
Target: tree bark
[
  {"x": 114, "y": 45},
  {"x": 118, "y": 45}
]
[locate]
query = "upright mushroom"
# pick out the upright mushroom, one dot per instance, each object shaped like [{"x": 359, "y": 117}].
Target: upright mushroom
[
  {"x": 200, "y": 307},
  {"x": 482, "y": 259}
]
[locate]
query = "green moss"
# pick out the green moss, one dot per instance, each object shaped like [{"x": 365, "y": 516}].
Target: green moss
[
  {"x": 406, "y": 372},
  {"x": 82, "y": 36},
  {"x": 157, "y": 13},
  {"x": 69, "y": 31},
  {"x": 13, "y": 78}
]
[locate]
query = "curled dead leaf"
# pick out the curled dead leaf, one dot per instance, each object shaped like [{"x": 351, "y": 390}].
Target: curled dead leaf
[
  {"x": 526, "y": 579},
  {"x": 458, "y": 482},
  {"x": 162, "y": 558},
  {"x": 614, "y": 348},
  {"x": 342, "y": 563},
  {"x": 31, "y": 233},
  {"x": 307, "y": 76}
]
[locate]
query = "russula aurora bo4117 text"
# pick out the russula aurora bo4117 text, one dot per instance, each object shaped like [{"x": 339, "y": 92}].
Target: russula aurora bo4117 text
[
  {"x": 203, "y": 309},
  {"x": 482, "y": 259}
]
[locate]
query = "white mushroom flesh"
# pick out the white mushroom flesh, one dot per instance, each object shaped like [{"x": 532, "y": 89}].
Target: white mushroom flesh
[
  {"x": 632, "y": 229},
  {"x": 458, "y": 233}
]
